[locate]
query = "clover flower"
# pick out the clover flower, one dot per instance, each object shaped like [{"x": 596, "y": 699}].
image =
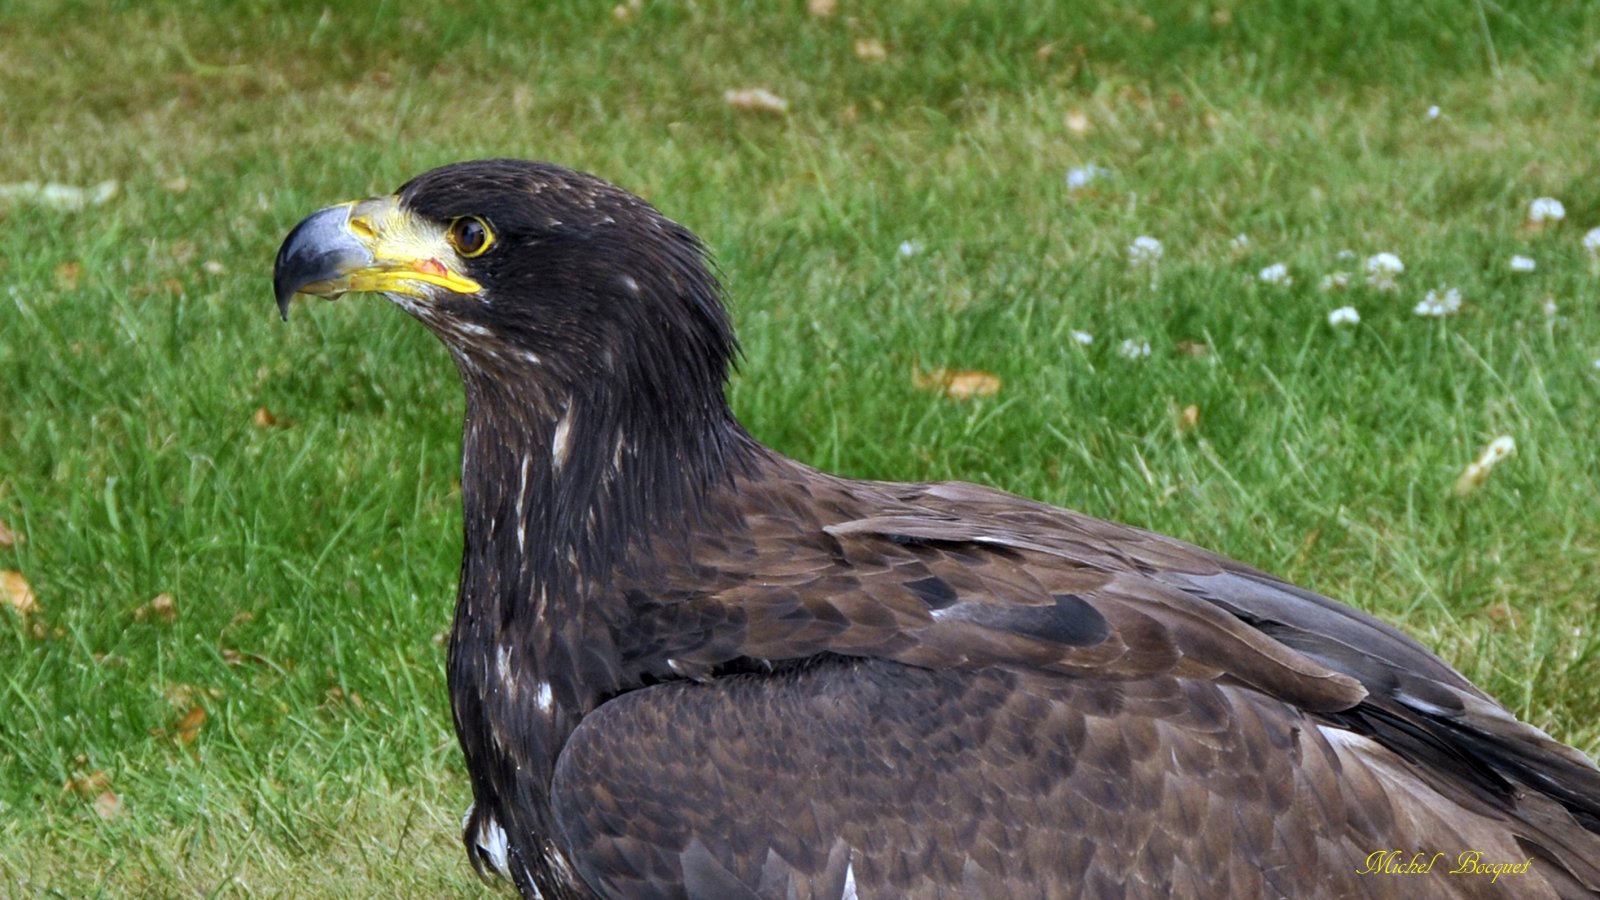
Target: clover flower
[
  {"x": 1444, "y": 301},
  {"x": 1081, "y": 337},
  {"x": 1344, "y": 315},
  {"x": 1382, "y": 270},
  {"x": 1144, "y": 251},
  {"x": 1241, "y": 243},
  {"x": 1546, "y": 209},
  {"x": 1523, "y": 264},
  {"x": 1277, "y": 274},
  {"x": 910, "y": 248},
  {"x": 1337, "y": 281},
  {"x": 1133, "y": 348},
  {"x": 1591, "y": 242},
  {"x": 1080, "y": 177}
]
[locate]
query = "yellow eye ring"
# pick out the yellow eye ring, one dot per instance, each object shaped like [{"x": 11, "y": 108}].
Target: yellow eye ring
[{"x": 470, "y": 236}]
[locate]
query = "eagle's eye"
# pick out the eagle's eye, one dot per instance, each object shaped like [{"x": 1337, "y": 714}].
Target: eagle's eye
[{"x": 470, "y": 236}]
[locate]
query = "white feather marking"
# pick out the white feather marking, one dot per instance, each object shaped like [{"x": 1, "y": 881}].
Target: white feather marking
[
  {"x": 531, "y": 357},
  {"x": 491, "y": 839},
  {"x": 522, "y": 491},
  {"x": 546, "y": 699},
  {"x": 849, "y": 882},
  {"x": 474, "y": 328},
  {"x": 1339, "y": 737},
  {"x": 561, "y": 442},
  {"x": 563, "y": 869},
  {"x": 502, "y": 662},
  {"x": 630, "y": 284}
]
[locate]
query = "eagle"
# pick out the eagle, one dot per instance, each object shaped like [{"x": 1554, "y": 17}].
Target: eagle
[{"x": 683, "y": 665}]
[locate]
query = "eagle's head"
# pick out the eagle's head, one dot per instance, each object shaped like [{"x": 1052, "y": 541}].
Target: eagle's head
[{"x": 531, "y": 273}]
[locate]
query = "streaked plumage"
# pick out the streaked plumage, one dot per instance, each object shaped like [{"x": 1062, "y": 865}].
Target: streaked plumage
[{"x": 684, "y": 665}]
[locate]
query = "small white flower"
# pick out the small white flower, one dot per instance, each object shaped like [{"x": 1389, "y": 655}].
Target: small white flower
[
  {"x": 1338, "y": 281},
  {"x": 1523, "y": 264},
  {"x": 1382, "y": 269},
  {"x": 1433, "y": 112},
  {"x": 1591, "y": 242},
  {"x": 1445, "y": 301},
  {"x": 1134, "y": 349},
  {"x": 1549, "y": 307},
  {"x": 1344, "y": 315},
  {"x": 1241, "y": 243},
  {"x": 1385, "y": 264},
  {"x": 910, "y": 248},
  {"x": 1277, "y": 274},
  {"x": 1144, "y": 251},
  {"x": 1597, "y": 364},
  {"x": 1082, "y": 337},
  {"x": 1345, "y": 255},
  {"x": 1546, "y": 209},
  {"x": 1079, "y": 177}
]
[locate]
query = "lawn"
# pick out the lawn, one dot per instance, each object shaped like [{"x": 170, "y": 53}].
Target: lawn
[{"x": 233, "y": 542}]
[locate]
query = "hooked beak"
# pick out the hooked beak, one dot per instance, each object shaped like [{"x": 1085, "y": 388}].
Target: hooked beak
[{"x": 365, "y": 245}]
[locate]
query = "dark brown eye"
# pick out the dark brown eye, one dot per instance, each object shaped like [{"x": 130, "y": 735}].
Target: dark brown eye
[{"x": 470, "y": 236}]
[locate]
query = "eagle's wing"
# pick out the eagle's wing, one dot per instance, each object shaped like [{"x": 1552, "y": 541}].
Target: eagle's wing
[
  {"x": 1063, "y": 680},
  {"x": 861, "y": 777}
]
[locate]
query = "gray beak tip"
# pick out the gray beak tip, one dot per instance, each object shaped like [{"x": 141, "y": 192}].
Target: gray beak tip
[{"x": 319, "y": 249}]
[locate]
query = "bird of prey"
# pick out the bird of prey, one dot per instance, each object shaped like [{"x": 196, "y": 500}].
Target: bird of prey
[{"x": 683, "y": 665}]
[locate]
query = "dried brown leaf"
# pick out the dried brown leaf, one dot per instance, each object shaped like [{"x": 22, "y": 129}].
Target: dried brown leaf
[
  {"x": 87, "y": 785},
  {"x": 337, "y": 696},
  {"x": 871, "y": 50},
  {"x": 821, "y": 9},
  {"x": 1188, "y": 418},
  {"x": 758, "y": 100},
  {"x": 16, "y": 593},
  {"x": 68, "y": 274},
  {"x": 1077, "y": 122},
  {"x": 108, "y": 806},
  {"x": 161, "y": 608},
  {"x": 188, "y": 727},
  {"x": 962, "y": 384},
  {"x": 1504, "y": 614},
  {"x": 1192, "y": 348}
]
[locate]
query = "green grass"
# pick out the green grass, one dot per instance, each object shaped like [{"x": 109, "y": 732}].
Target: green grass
[{"x": 313, "y": 563}]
